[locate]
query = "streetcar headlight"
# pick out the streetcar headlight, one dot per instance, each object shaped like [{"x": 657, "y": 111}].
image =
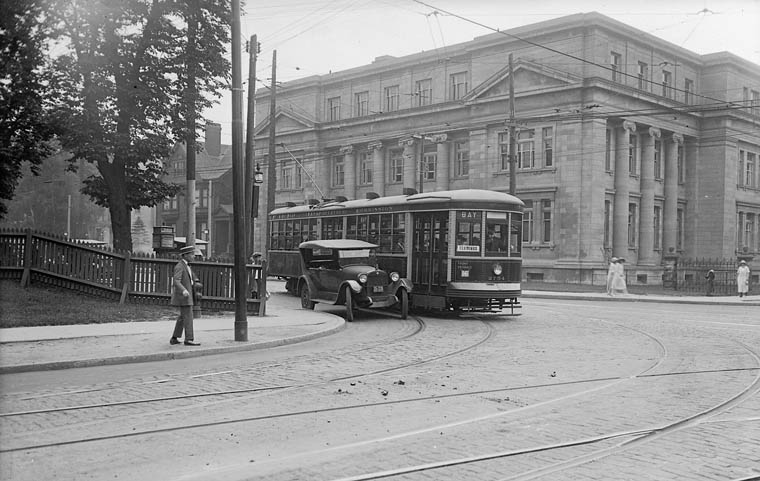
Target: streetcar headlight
[
  {"x": 395, "y": 277},
  {"x": 363, "y": 278},
  {"x": 497, "y": 270}
]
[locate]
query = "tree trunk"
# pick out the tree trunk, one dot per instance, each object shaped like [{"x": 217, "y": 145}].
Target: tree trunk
[{"x": 121, "y": 223}]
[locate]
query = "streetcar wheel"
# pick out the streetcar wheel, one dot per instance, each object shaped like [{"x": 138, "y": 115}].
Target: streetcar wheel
[
  {"x": 349, "y": 305},
  {"x": 306, "y": 301},
  {"x": 403, "y": 303}
]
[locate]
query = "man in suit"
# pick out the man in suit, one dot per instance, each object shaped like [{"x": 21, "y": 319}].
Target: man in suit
[{"x": 182, "y": 296}]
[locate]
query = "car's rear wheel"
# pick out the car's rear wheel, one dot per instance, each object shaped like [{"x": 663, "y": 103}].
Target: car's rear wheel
[
  {"x": 306, "y": 301},
  {"x": 349, "y": 305},
  {"x": 403, "y": 302}
]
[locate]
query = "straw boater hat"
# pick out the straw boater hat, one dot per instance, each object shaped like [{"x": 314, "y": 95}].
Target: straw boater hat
[
  {"x": 187, "y": 250},
  {"x": 621, "y": 260},
  {"x": 742, "y": 262},
  {"x": 614, "y": 259}
]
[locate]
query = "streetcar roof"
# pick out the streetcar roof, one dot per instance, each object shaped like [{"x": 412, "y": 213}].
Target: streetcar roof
[
  {"x": 460, "y": 195},
  {"x": 336, "y": 244}
]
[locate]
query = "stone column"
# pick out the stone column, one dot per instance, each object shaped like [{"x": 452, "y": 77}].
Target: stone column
[
  {"x": 378, "y": 167},
  {"x": 442, "y": 174},
  {"x": 349, "y": 171},
  {"x": 646, "y": 216},
  {"x": 670, "y": 214},
  {"x": 622, "y": 191},
  {"x": 410, "y": 162}
]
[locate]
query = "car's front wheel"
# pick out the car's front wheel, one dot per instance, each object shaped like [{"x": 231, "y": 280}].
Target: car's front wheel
[
  {"x": 349, "y": 305},
  {"x": 403, "y": 303},
  {"x": 306, "y": 301}
]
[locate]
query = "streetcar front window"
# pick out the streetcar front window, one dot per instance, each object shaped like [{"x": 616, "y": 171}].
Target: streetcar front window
[
  {"x": 496, "y": 234},
  {"x": 515, "y": 236},
  {"x": 469, "y": 233}
]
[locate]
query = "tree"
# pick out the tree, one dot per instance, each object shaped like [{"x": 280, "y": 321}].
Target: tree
[
  {"x": 25, "y": 133},
  {"x": 119, "y": 80}
]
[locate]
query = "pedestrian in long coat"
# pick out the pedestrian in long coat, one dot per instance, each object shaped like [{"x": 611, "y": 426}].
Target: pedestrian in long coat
[
  {"x": 618, "y": 278},
  {"x": 611, "y": 275},
  {"x": 183, "y": 297},
  {"x": 710, "y": 282},
  {"x": 742, "y": 278}
]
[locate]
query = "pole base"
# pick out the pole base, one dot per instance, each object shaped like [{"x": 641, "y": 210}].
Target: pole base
[{"x": 241, "y": 331}]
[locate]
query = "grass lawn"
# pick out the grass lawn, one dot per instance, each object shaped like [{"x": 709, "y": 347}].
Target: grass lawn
[{"x": 50, "y": 306}]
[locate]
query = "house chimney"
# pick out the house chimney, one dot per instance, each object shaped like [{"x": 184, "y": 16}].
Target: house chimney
[{"x": 213, "y": 139}]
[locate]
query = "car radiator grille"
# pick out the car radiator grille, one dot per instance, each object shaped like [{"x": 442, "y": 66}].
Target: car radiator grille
[{"x": 377, "y": 279}]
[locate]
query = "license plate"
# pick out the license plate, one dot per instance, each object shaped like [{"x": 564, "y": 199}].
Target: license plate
[{"x": 377, "y": 288}]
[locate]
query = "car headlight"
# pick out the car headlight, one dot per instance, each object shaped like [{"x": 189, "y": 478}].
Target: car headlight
[
  {"x": 497, "y": 270},
  {"x": 395, "y": 277},
  {"x": 363, "y": 278}
]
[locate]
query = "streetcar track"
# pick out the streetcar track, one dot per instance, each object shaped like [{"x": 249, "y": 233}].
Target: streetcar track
[{"x": 611, "y": 380}]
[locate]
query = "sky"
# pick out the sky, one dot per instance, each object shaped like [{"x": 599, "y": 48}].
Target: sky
[{"x": 315, "y": 37}]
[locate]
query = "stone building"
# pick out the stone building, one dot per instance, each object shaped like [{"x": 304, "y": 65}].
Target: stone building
[{"x": 626, "y": 144}]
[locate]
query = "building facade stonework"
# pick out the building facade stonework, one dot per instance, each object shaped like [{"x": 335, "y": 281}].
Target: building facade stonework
[{"x": 626, "y": 145}]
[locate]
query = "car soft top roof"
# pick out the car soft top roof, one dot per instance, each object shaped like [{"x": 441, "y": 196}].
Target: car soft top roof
[{"x": 337, "y": 244}]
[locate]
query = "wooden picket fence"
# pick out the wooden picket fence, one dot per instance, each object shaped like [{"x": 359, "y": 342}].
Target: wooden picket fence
[{"x": 34, "y": 257}]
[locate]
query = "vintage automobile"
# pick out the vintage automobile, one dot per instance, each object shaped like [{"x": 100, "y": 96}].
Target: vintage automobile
[{"x": 345, "y": 271}]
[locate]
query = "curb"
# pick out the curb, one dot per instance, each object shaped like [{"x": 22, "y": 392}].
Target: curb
[
  {"x": 166, "y": 356},
  {"x": 638, "y": 298}
]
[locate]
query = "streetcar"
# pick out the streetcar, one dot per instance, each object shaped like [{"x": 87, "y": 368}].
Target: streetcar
[{"x": 461, "y": 249}]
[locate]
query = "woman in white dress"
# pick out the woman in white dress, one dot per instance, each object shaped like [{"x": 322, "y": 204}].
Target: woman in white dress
[{"x": 742, "y": 278}]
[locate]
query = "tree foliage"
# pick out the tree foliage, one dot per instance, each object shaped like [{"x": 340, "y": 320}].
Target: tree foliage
[
  {"x": 25, "y": 132},
  {"x": 119, "y": 73}
]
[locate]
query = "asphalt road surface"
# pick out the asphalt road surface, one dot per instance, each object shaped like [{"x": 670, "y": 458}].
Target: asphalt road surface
[{"x": 570, "y": 390}]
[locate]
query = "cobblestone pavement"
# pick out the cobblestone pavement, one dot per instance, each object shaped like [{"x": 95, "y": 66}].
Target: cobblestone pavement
[{"x": 571, "y": 389}]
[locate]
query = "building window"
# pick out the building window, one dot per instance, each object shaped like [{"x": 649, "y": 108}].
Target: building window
[
  {"x": 546, "y": 220},
  {"x": 391, "y": 98},
  {"x": 643, "y": 76},
  {"x": 361, "y": 100},
  {"x": 680, "y": 217},
  {"x": 548, "y": 135},
  {"x": 171, "y": 203},
  {"x": 657, "y": 227},
  {"x": 423, "y": 90},
  {"x": 396, "y": 165},
  {"x": 201, "y": 197},
  {"x": 365, "y": 168},
  {"x": 333, "y": 109},
  {"x": 607, "y": 223},
  {"x": 667, "y": 84},
  {"x": 755, "y": 102},
  {"x": 680, "y": 164},
  {"x": 632, "y": 223},
  {"x": 749, "y": 170},
  {"x": 504, "y": 150},
  {"x": 657, "y": 159},
  {"x": 740, "y": 170},
  {"x": 458, "y": 85},
  {"x": 527, "y": 223},
  {"x": 286, "y": 176},
  {"x": 616, "y": 61},
  {"x": 526, "y": 154},
  {"x": 749, "y": 232},
  {"x": 632, "y": 160},
  {"x": 462, "y": 157},
  {"x": 338, "y": 169},
  {"x": 429, "y": 161},
  {"x": 608, "y": 150},
  {"x": 688, "y": 91}
]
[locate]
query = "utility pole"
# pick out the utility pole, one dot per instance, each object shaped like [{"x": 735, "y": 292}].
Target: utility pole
[
  {"x": 512, "y": 140},
  {"x": 190, "y": 103},
  {"x": 238, "y": 183},
  {"x": 253, "y": 51},
  {"x": 271, "y": 174}
]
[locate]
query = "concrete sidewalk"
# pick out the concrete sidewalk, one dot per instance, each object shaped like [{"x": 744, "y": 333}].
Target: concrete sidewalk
[{"x": 25, "y": 349}]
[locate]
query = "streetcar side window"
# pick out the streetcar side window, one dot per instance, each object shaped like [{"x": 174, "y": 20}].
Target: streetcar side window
[
  {"x": 332, "y": 228},
  {"x": 399, "y": 229},
  {"x": 515, "y": 236}
]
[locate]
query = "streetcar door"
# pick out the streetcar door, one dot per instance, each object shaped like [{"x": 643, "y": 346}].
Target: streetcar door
[{"x": 429, "y": 253}]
